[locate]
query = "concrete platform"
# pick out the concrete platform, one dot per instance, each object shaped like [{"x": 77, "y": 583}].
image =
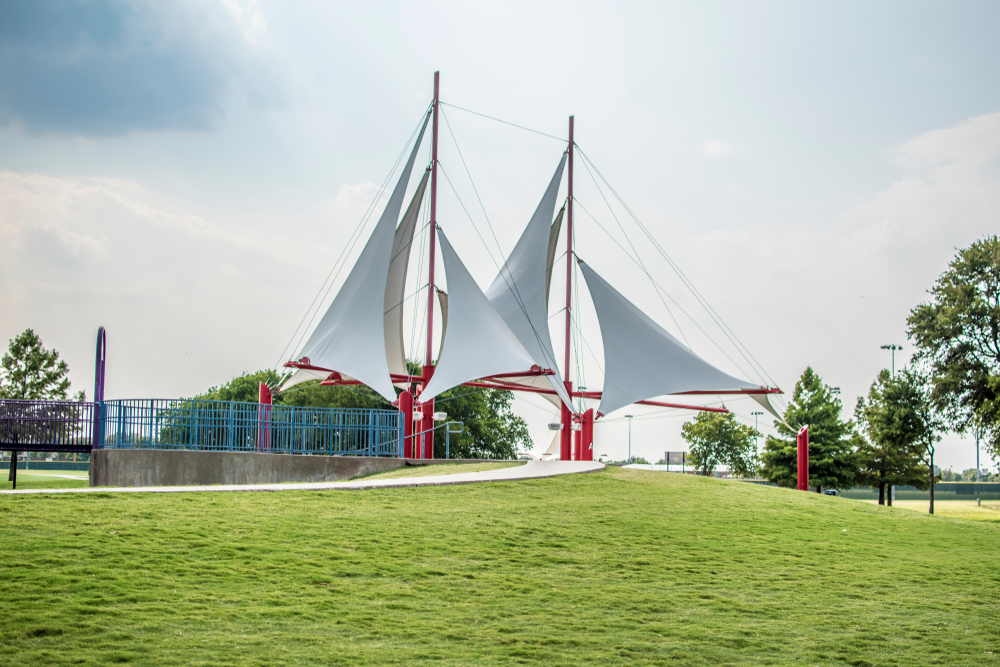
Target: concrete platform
[{"x": 530, "y": 470}]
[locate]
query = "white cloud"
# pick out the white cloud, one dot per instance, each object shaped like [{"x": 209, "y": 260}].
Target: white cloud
[{"x": 717, "y": 148}]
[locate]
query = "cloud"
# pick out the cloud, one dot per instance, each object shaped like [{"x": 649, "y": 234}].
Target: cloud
[
  {"x": 717, "y": 148},
  {"x": 108, "y": 68}
]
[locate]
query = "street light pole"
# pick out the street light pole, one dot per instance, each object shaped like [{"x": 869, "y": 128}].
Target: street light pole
[
  {"x": 893, "y": 347},
  {"x": 629, "y": 417},
  {"x": 756, "y": 438}
]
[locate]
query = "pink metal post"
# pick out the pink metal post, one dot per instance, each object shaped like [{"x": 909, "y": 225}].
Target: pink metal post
[
  {"x": 406, "y": 407},
  {"x": 803, "y": 464},
  {"x": 567, "y": 415},
  {"x": 427, "y": 452},
  {"x": 264, "y": 418},
  {"x": 587, "y": 431}
]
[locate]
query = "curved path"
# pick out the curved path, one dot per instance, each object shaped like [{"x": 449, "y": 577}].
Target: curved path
[{"x": 530, "y": 470}]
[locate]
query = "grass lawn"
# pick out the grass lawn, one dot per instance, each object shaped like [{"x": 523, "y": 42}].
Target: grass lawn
[
  {"x": 614, "y": 567},
  {"x": 956, "y": 509},
  {"x": 441, "y": 469},
  {"x": 45, "y": 479}
]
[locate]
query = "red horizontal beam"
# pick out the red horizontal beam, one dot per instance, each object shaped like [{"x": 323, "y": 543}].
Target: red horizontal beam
[
  {"x": 748, "y": 392},
  {"x": 701, "y": 408}
]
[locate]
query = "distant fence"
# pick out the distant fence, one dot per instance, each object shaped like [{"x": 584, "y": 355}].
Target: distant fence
[
  {"x": 47, "y": 465},
  {"x": 229, "y": 426},
  {"x": 942, "y": 491}
]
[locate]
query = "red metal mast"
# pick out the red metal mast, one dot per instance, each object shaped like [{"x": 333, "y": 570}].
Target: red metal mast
[
  {"x": 566, "y": 441},
  {"x": 428, "y": 408}
]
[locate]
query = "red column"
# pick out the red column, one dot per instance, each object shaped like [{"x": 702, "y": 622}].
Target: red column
[
  {"x": 577, "y": 445},
  {"x": 803, "y": 465},
  {"x": 587, "y": 431},
  {"x": 566, "y": 435},
  {"x": 406, "y": 407},
  {"x": 264, "y": 418},
  {"x": 427, "y": 423}
]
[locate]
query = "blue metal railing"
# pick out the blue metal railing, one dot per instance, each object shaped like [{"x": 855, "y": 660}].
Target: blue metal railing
[{"x": 248, "y": 427}]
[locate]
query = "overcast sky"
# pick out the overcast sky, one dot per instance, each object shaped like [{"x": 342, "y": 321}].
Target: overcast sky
[{"x": 186, "y": 174}]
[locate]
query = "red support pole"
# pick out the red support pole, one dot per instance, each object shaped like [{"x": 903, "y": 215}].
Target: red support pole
[
  {"x": 406, "y": 407},
  {"x": 587, "y": 430},
  {"x": 803, "y": 464},
  {"x": 567, "y": 415},
  {"x": 264, "y": 418},
  {"x": 427, "y": 452},
  {"x": 577, "y": 445}
]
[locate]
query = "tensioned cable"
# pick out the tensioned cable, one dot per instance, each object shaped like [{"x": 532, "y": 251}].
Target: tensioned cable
[
  {"x": 668, "y": 295},
  {"x": 642, "y": 265},
  {"x": 352, "y": 241},
  {"x": 727, "y": 331},
  {"x": 506, "y": 122}
]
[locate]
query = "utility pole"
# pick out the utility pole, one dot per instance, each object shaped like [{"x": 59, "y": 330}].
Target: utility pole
[
  {"x": 893, "y": 347},
  {"x": 566, "y": 437}
]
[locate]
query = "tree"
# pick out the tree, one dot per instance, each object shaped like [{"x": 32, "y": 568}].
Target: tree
[
  {"x": 718, "y": 439},
  {"x": 832, "y": 462},
  {"x": 957, "y": 336},
  {"x": 896, "y": 430},
  {"x": 492, "y": 430},
  {"x": 31, "y": 372}
]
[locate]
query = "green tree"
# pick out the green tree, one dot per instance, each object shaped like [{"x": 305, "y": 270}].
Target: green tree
[
  {"x": 244, "y": 388},
  {"x": 492, "y": 430},
  {"x": 832, "y": 462},
  {"x": 718, "y": 439},
  {"x": 28, "y": 371},
  {"x": 895, "y": 433},
  {"x": 957, "y": 336}
]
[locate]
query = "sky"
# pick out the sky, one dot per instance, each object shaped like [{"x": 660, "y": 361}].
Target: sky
[{"x": 188, "y": 174}]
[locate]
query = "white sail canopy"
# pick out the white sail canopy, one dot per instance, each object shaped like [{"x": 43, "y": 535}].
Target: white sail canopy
[
  {"x": 395, "y": 285},
  {"x": 350, "y": 338},
  {"x": 641, "y": 359},
  {"x": 479, "y": 343},
  {"x": 519, "y": 293}
]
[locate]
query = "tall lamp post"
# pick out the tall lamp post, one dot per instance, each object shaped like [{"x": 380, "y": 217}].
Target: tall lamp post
[
  {"x": 756, "y": 415},
  {"x": 629, "y": 417},
  {"x": 893, "y": 347}
]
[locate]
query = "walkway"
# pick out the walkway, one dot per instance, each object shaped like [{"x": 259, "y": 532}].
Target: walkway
[{"x": 530, "y": 470}]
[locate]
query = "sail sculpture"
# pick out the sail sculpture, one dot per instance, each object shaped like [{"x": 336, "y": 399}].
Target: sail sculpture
[
  {"x": 479, "y": 343},
  {"x": 641, "y": 359},
  {"x": 351, "y": 338},
  {"x": 498, "y": 338}
]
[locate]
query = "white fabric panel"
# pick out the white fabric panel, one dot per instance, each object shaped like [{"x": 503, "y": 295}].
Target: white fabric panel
[
  {"x": 395, "y": 285},
  {"x": 350, "y": 337},
  {"x": 304, "y": 375},
  {"x": 520, "y": 291},
  {"x": 539, "y": 381},
  {"x": 765, "y": 402},
  {"x": 443, "y": 303},
  {"x": 642, "y": 360},
  {"x": 553, "y": 246},
  {"x": 479, "y": 343}
]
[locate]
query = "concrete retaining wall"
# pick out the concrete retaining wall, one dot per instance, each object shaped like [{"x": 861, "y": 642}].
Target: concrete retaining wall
[{"x": 157, "y": 467}]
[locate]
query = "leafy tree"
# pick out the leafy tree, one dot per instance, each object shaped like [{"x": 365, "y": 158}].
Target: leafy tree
[
  {"x": 957, "y": 335},
  {"x": 492, "y": 430},
  {"x": 244, "y": 388},
  {"x": 832, "y": 462},
  {"x": 718, "y": 439},
  {"x": 28, "y": 371},
  {"x": 896, "y": 432}
]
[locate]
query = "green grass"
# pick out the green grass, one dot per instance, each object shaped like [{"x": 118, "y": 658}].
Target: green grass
[
  {"x": 989, "y": 510},
  {"x": 615, "y": 567},
  {"x": 441, "y": 469},
  {"x": 45, "y": 479}
]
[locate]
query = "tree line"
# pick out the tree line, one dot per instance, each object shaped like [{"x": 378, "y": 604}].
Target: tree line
[{"x": 952, "y": 383}]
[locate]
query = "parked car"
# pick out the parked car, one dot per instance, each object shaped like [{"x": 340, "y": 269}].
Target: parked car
[{"x": 831, "y": 492}]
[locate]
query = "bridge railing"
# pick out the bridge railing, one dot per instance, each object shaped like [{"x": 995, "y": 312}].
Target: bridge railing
[
  {"x": 247, "y": 427},
  {"x": 47, "y": 426}
]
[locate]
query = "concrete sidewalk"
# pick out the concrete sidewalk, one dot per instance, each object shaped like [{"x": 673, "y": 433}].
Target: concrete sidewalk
[{"x": 530, "y": 470}]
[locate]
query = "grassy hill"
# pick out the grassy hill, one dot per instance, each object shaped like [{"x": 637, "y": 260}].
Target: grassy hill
[{"x": 616, "y": 567}]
